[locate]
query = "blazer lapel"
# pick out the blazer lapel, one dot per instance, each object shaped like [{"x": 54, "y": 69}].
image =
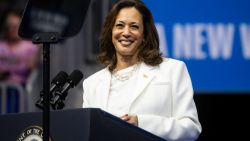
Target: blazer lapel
[
  {"x": 146, "y": 74},
  {"x": 103, "y": 88}
]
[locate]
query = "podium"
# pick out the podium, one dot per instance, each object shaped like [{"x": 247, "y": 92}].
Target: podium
[{"x": 88, "y": 124}]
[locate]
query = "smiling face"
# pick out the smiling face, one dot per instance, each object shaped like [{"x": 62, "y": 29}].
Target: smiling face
[{"x": 127, "y": 32}]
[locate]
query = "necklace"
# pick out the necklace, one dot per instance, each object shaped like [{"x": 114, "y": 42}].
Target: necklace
[{"x": 125, "y": 77}]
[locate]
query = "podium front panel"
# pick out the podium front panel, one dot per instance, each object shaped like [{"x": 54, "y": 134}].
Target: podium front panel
[{"x": 89, "y": 124}]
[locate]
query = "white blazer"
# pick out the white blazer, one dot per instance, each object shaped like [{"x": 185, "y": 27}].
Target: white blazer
[{"x": 163, "y": 100}]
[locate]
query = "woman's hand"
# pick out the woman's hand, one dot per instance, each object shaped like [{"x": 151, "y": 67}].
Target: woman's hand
[{"x": 132, "y": 119}]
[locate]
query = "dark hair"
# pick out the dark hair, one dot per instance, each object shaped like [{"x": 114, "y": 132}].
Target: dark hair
[
  {"x": 149, "y": 52},
  {"x": 10, "y": 12}
]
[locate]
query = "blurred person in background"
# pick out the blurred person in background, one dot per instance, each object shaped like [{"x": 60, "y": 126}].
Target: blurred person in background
[
  {"x": 138, "y": 84},
  {"x": 17, "y": 57}
]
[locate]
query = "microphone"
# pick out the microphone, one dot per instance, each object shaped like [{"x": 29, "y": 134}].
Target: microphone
[
  {"x": 58, "y": 81},
  {"x": 61, "y": 93}
]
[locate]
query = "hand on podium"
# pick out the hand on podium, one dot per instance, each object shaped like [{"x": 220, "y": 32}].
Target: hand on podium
[{"x": 132, "y": 119}]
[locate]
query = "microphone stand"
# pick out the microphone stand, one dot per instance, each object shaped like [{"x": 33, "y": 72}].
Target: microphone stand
[{"x": 46, "y": 39}]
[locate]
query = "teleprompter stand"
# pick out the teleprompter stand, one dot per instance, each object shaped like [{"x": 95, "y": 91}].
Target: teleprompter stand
[
  {"x": 47, "y": 22},
  {"x": 46, "y": 39}
]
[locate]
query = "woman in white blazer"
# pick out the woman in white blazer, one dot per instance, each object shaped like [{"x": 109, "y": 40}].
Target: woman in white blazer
[{"x": 138, "y": 85}]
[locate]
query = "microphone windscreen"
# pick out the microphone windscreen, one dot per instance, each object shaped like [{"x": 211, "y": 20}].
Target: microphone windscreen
[
  {"x": 61, "y": 77},
  {"x": 75, "y": 77}
]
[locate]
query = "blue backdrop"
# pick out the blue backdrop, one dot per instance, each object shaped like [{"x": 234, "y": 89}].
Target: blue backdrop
[{"x": 211, "y": 36}]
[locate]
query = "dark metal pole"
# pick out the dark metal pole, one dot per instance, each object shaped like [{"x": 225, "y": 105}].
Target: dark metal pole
[
  {"x": 46, "y": 85},
  {"x": 46, "y": 39}
]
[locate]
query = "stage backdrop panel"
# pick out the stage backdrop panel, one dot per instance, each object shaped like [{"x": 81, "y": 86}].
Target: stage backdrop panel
[{"x": 211, "y": 36}]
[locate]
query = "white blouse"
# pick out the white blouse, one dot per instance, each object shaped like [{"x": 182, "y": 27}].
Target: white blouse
[{"x": 121, "y": 91}]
